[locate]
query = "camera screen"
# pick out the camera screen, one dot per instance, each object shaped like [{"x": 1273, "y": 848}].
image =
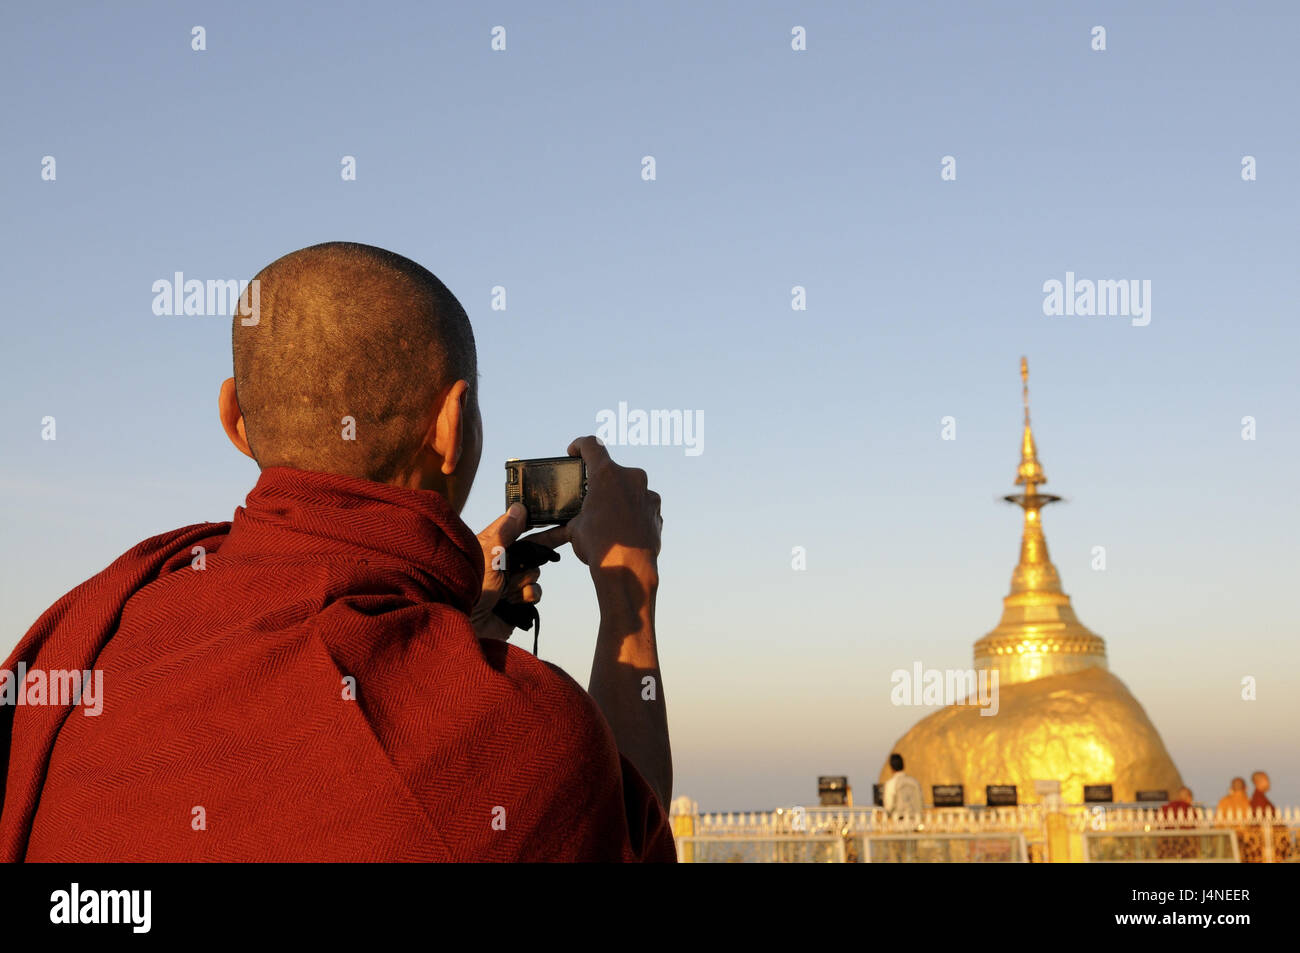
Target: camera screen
[{"x": 551, "y": 489}]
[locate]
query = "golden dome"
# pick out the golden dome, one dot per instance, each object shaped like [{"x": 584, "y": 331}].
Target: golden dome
[{"x": 1079, "y": 728}]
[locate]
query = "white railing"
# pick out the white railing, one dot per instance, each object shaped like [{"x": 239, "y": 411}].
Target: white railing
[
  {"x": 1134, "y": 831},
  {"x": 917, "y": 847},
  {"x": 1200, "y": 846},
  {"x": 762, "y": 849}
]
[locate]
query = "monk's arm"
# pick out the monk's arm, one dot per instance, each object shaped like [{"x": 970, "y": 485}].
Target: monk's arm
[
  {"x": 617, "y": 534},
  {"x": 625, "y": 678}
]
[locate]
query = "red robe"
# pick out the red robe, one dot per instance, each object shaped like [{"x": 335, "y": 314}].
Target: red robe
[
  {"x": 1259, "y": 800},
  {"x": 229, "y": 730},
  {"x": 1176, "y": 811}
]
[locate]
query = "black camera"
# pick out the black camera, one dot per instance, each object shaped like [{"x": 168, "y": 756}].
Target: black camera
[{"x": 550, "y": 488}]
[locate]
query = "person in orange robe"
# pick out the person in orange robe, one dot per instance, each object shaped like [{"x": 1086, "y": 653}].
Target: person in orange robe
[
  {"x": 1233, "y": 807},
  {"x": 1235, "y": 802},
  {"x": 323, "y": 677}
]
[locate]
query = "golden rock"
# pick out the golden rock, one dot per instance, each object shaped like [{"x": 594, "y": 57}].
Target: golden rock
[{"x": 1078, "y": 728}]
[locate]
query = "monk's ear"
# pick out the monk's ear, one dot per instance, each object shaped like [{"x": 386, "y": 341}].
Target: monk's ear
[
  {"x": 232, "y": 420},
  {"x": 449, "y": 428}
]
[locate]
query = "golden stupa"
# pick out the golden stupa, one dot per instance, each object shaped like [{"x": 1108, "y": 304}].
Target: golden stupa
[{"x": 1061, "y": 715}]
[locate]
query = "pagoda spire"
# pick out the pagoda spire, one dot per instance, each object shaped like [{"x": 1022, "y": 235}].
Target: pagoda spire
[
  {"x": 1030, "y": 473},
  {"x": 1039, "y": 634}
]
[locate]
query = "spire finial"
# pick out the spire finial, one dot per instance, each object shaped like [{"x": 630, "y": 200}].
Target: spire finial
[
  {"x": 1024, "y": 390},
  {"x": 1030, "y": 473}
]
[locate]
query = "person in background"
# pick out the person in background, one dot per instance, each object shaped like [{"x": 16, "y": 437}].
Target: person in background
[
  {"x": 1252, "y": 849},
  {"x": 903, "y": 805},
  {"x": 1180, "y": 807},
  {"x": 902, "y": 793},
  {"x": 1178, "y": 813},
  {"x": 1235, "y": 803},
  {"x": 1260, "y": 798},
  {"x": 1233, "y": 808}
]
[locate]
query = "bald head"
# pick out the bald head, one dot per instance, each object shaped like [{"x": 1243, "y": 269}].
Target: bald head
[
  {"x": 1185, "y": 794},
  {"x": 1238, "y": 784},
  {"x": 343, "y": 368}
]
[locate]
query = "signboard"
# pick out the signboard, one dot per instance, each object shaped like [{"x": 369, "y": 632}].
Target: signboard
[
  {"x": 1047, "y": 788},
  {"x": 1153, "y": 796},
  {"x": 1000, "y": 795},
  {"x": 1098, "y": 794},
  {"x": 833, "y": 790},
  {"x": 948, "y": 795}
]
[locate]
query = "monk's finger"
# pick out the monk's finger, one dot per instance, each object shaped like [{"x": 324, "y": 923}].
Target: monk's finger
[
  {"x": 550, "y": 538},
  {"x": 524, "y": 579},
  {"x": 592, "y": 451}
]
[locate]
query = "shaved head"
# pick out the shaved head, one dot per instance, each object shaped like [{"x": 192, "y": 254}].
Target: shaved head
[{"x": 342, "y": 368}]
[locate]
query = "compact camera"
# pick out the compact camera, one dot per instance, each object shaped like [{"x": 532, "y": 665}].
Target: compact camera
[{"x": 550, "y": 488}]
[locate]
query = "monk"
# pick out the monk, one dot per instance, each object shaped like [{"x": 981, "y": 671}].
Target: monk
[
  {"x": 1269, "y": 814},
  {"x": 1180, "y": 808},
  {"x": 1235, "y": 804},
  {"x": 1178, "y": 813},
  {"x": 1259, "y": 800},
  {"x": 323, "y": 678}
]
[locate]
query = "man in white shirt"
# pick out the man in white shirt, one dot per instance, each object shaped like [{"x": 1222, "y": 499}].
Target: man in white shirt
[{"x": 902, "y": 793}]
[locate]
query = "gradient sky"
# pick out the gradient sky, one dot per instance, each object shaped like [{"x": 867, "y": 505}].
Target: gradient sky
[{"x": 822, "y": 427}]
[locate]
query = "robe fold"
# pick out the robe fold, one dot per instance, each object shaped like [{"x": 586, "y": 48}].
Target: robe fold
[{"x": 303, "y": 684}]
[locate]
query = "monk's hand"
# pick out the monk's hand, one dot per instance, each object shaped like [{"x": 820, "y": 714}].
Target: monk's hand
[
  {"x": 619, "y": 526},
  {"x": 499, "y": 580}
]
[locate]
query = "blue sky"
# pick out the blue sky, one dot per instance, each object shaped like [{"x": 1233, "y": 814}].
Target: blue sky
[{"x": 774, "y": 169}]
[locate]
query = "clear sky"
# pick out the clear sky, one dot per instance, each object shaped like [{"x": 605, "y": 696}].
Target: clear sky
[{"x": 774, "y": 168}]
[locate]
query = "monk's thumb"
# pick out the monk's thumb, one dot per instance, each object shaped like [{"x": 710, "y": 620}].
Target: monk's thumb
[{"x": 509, "y": 524}]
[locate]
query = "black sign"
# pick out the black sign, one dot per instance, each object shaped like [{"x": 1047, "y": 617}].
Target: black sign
[
  {"x": 1000, "y": 795},
  {"x": 1153, "y": 795},
  {"x": 833, "y": 791},
  {"x": 948, "y": 795},
  {"x": 878, "y": 795},
  {"x": 1098, "y": 794}
]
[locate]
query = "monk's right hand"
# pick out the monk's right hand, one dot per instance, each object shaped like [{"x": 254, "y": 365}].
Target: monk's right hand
[
  {"x": 619, "y": 525},
  {"x": 500, "y": 581}
]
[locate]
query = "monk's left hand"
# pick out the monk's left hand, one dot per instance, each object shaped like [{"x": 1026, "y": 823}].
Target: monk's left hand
[{"x": 499, "y": 582}]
